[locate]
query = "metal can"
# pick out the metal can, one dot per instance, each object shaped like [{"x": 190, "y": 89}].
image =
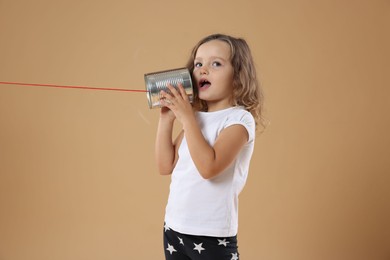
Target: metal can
[{"x": 157, "y": 81}]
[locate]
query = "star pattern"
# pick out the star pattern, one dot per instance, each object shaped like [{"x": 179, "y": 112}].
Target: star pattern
[
  {"x": 166, "y": 227},
  {"x": 181, "y": 241},
  {"x": 223, "y": 242},
  {"x": 234, "y": 256},
  {"x": 171, "y": 249},
  {"x": 199, "y": 247}
]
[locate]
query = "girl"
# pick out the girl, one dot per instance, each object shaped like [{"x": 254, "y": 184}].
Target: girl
[{"x": 209, "y": 159}]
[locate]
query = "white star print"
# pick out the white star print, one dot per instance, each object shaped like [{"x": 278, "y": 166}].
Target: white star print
[
  {"x": 199, "y": 247},
  {"x": 166, "y": 227},
  {"x": 223, "y": 242},
  {"x": 181, "y": 240},
  {"x": 171, "y": 249},
  {"x": 234, "y": 256}
]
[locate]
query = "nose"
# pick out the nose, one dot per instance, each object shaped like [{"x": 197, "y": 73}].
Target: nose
[{"x": 204, "y": 70}]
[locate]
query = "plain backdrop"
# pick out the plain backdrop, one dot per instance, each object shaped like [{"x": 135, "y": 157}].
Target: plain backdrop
[{"x": 77, "y": 174}]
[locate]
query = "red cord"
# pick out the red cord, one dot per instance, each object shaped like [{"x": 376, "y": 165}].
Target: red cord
[{"x": 74, "y": 87}]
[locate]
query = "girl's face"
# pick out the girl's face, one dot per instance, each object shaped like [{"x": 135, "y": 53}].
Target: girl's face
[{"x": 213, "y": 74}]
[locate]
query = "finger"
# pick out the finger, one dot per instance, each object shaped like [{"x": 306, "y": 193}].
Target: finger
[
  {"x": 165, "y": 102},
  {"x": 165, "y": 95},
  {"x": 182, "y": 91},
  {"x": 173, "y": 90},
  {"x": 165, "y": 98}
]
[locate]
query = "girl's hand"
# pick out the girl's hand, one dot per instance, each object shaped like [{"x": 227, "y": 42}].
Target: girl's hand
[
  {"x": 166, "y": 113},
  {"x": 178, "y": 102}
]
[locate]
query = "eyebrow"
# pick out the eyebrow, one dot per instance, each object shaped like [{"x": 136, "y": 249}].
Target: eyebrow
[{"x": 212, "y": 58}]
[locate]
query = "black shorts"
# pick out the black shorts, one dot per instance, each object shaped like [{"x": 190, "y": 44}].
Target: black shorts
[{"x": 179, "y": 246}]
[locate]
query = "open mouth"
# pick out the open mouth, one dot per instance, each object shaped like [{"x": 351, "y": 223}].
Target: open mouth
[{"x": 204, "y": 83}]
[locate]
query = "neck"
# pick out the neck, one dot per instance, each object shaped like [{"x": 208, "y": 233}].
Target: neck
[{"x": 212, "y": 107}]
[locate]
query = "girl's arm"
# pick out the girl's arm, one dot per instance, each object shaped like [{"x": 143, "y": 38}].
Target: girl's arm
[
  {"x": 165, "y": 148},
  {"x": 209, "y": 160}
]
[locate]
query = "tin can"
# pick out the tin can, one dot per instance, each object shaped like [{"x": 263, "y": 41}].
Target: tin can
[{"x": 157, "y": 81}]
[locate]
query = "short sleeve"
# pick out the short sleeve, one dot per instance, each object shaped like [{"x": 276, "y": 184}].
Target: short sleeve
[{"x": 244, "y": 118}]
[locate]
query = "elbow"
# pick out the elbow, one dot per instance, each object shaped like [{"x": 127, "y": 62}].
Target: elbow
[
  {"x": 208, "y": 174},
  {"x": 164, "y": 170},
  {"x": 163, "y": 173}
]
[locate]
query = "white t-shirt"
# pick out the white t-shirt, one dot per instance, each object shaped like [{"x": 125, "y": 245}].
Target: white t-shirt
[{"x": 197, "y": 206}]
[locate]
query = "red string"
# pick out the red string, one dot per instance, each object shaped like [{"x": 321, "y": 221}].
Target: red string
[{"x": 74, "y": 87}]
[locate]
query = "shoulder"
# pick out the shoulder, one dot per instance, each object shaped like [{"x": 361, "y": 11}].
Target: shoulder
[{"x": 240, "y": 116}]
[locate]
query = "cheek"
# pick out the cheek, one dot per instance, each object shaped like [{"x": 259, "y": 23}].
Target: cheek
[
  {"x": 195, "y": 78},
  {"x": 229, "y": 78}
]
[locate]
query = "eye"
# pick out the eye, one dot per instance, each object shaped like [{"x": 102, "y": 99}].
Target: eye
[
  {"x": 198, "y": 64},
  {"x": 216, "y": 64}
]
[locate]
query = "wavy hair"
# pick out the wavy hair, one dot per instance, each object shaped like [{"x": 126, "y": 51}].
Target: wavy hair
[{"x": 247, "y": 91}]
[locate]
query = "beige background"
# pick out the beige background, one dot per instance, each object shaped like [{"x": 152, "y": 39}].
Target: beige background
[{"x": 77, "y": 176}]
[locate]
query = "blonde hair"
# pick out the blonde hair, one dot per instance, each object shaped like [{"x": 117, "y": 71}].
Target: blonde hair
[{"x": 246, "y": 87}]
